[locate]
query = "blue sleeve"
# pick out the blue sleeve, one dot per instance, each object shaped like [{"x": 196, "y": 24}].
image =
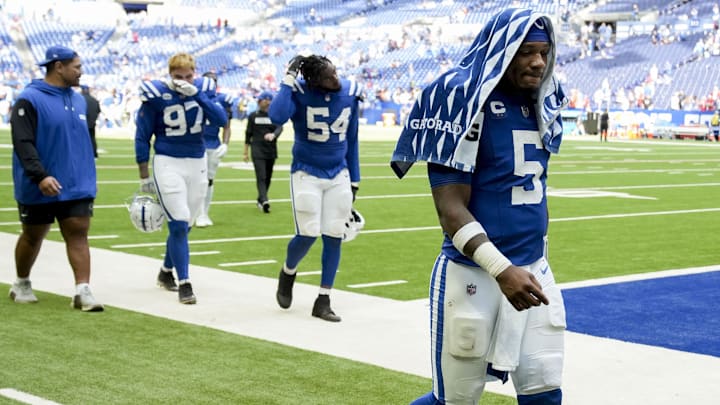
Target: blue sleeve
[
  {"x": 214, "y": 112},
  {"x": 440, "y": 175},
  {"x": 144, "y": 123},
  {"x": 282, "y": 106},
  {"x": 353, "y": 152}
]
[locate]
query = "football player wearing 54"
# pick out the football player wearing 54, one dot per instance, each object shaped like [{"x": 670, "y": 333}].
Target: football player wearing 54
[
  {"x": 176, "y": 112},
  {"x": 325, "y": 170}
]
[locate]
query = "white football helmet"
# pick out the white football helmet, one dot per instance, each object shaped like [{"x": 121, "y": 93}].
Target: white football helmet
[
  {"x": 353, "y": 225},
  {"x": 146, "y": 213}
]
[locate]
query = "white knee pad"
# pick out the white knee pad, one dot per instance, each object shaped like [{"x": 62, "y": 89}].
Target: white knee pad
[
  {"x": 542, "y": 354},
  {"x": 307, "y": 213},
  {"x": 469, "y": 335}
]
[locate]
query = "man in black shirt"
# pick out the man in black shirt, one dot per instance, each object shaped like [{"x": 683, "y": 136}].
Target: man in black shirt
[
  {"x": 93, "y": 110},
  {"x": 261, "y": 136}
]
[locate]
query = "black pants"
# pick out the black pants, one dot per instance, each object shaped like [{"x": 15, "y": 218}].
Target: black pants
[
  {"x": 92, "y": 139},
  {"x": 263, "y": 176}
]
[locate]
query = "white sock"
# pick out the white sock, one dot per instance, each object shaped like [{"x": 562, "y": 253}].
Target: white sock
[
  {"x": 288, "y": 271},
  {"x": 166, "y": 270},
  {"x": 80, "y": 287},
  {"x": 325, "y": 291},
  {"x": 186, "y": 281}
]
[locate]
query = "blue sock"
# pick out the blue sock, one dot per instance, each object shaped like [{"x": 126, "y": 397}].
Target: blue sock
[
  {"x": 553, "y": 397},
  {"x": 297, "y": 249},
  {"x": 330, "y": 260},
  {"x": 427, "y": 399},
  {"x": 178, "y": 249},
  {"x": 167, "y": 261}
]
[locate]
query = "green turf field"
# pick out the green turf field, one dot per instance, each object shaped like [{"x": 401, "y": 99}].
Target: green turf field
[{"x": 616, "y": 208}]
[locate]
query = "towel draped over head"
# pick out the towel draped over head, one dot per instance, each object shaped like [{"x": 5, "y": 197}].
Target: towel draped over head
[{"x": 440, "y": 128}]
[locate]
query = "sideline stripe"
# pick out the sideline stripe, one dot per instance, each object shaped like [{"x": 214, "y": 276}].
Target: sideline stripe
[
  {"x": 638, "y": 277},
  {"x": 247, "y": 263},
  {"x": 377, "y": 284},
  {"x": 25, "y": 397}
]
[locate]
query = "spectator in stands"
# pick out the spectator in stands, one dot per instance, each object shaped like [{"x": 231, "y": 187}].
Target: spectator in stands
[
  {"x": 93, "y": 111},
  {"x": 54, "y": 173},
  {"x": 715, "y": 124},
  {"x": 261, "y": 137},
  {"x": 215, "y": 149}
]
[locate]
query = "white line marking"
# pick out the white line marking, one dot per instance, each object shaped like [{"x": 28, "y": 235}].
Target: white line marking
[
  {"x": 310, "y": 273},
  {"x": 25, "y": 397},
  {"x": 377, "y": 284},
  {"x": 247, "y": 263},
  {"x": 639, "y": 277},
  {"x": 205, "y": 253},
  {"x": 103, "y": 236}
]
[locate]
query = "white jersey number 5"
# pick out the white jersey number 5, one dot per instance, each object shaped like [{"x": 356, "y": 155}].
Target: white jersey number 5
[
  {"x": 319, "y": 131},
  {"x": 524, "y": 167}
]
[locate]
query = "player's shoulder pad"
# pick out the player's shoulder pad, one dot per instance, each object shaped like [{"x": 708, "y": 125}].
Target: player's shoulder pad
[
  {"x": 205, "y": 85},
  {"x": 152, "y": 89},
  {"x": 351, "y": 88}
]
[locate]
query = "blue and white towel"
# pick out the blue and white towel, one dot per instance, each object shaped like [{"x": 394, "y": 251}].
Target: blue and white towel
[{"x": 444, "y": 112}]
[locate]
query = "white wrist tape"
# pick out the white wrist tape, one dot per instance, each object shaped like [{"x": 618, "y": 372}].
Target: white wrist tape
[
  {"x": 465, "y": 233},
  {"x": 490, "y": 259}
]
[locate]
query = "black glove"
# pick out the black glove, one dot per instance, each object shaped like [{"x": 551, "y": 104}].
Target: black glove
[
  {"x": 354, "y": 189},
  {"x": 293, "y": 69}
]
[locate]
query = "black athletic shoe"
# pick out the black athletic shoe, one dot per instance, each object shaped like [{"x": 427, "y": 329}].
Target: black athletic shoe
[
  {"x": 185, "y": 294},
  {"x": 284, "y": 291},
  {"x": 322, "y": 309},
  {"x": 166, "y": 280},
  {"x": 266, "y": 207}
]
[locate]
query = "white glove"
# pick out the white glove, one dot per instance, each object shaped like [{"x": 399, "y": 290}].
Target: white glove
[
  {"x": 269, "y": 137},
  {"x": 221, "y": 151},
  {"x": 183, "y": 87},
  {"x": 147, "y": 186}
]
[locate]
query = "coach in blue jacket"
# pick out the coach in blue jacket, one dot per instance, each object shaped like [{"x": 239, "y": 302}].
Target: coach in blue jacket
[{"x": 53, "y": 173}]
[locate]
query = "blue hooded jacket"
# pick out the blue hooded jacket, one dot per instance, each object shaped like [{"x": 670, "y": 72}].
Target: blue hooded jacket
[{"x": 63, "y": 144}]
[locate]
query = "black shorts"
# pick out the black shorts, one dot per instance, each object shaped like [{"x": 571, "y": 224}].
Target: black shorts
[{"x": 43, "y": 214}]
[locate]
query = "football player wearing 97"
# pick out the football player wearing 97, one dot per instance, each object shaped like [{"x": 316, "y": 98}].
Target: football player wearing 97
[
  {"x": 176, "y": 112},
  {"x": 325, "y": 170}
]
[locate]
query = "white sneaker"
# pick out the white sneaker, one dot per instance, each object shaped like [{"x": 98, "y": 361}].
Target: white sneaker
[
  {"x": 22, "y": 293},
  {"x": 202, "y": 221},
  {"x": 86, "y": 302}
]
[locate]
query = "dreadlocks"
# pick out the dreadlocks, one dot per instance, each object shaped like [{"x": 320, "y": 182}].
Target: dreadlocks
[{"x": 312, "y": 70}]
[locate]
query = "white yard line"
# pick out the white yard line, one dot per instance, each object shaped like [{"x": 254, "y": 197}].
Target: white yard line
[{"x": 24, "y": 397}]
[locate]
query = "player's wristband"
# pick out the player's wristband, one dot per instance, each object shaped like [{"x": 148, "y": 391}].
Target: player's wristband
[
  {"x": 465, "y": 233},
  {"x": 490, "y": 259}
]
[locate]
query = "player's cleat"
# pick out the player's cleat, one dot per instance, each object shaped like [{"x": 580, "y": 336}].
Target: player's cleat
[
  {"x": 266, "y": 207},
  {"x": 185, "y": 294},
  {"x": 284, "y": 291},
  {"x": 85, "y": 301},
  {"x": 22, "y": 293},
  {"x": 322, "y": 309},
  {"x": 259, "y": 205},
  {"x": 203, "y": 221},
  {"x": 166, "y": 280}
]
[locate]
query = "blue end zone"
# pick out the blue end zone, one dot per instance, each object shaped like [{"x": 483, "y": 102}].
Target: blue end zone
[{"x": 680, "y": 312}]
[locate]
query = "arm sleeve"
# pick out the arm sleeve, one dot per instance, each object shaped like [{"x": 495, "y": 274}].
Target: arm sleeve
[
  {"x": 353, "y": 153},
  {"x": 250, "y": 128},
  {"x": 143, "y": 132},
  {"x": 24, "y": 125},
  {"x": 282, "y": 106},
  {"x": 440, "y": 175},
  {"x": 278, "y": 130},
  {"x": 214, "y": 112}
]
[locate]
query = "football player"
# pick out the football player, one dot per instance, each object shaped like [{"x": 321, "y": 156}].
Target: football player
[
  {"x": 325, "y": 170},
  {"x": 175, "y": 112},
  {"x": 494, "y": 306},
  {"x": 215, "y": 150}
]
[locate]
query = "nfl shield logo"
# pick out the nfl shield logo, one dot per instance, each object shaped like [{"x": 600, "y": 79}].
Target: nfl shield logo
[
  {"x": 471, "y": 289},
  {"x": 525, "y": 111}
]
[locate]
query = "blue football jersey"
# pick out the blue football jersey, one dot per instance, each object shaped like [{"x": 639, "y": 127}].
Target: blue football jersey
[
  {"x": 508, "y": 185},
  {"x": 176, "y": 121},
  {"x": 325, "y": 125},
  {"x": 211, "y": 132}
]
